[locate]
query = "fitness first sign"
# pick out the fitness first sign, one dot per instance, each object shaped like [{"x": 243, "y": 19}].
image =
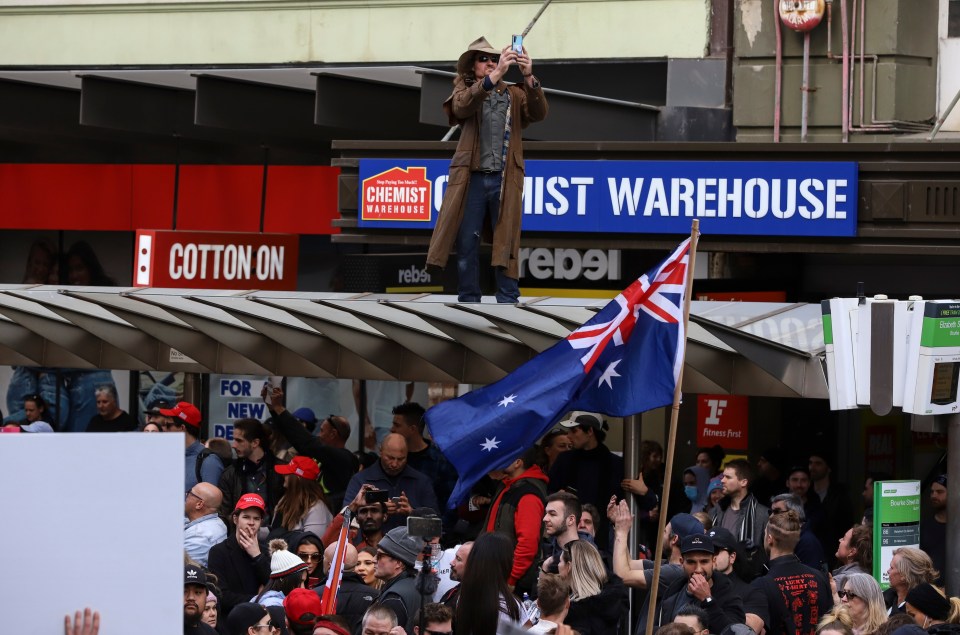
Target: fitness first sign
[{"x": 643, "y": 197}]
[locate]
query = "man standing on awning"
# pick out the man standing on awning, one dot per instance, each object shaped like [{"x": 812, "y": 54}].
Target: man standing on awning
[{"x": 485, "y": 187}]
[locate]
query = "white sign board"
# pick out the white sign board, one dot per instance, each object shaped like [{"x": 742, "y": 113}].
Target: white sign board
[{"x": 92, "y": 520}]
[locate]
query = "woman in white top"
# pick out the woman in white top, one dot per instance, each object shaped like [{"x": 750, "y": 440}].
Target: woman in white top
[
  {"x": 486, "y": 602},
  {"x": 302, "y": 506}
]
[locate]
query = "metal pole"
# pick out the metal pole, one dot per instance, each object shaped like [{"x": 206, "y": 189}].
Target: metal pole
[
  {"x": 952, "y": 574},
  {"x": 631, "y": 466},
  {"x": 672, "y": 438},
  {"x": 805, "y": 88},
  {"x": 936, "y": 128},
  {"x": 844, "y": 91},
  {"x": 536, "y": 17}
]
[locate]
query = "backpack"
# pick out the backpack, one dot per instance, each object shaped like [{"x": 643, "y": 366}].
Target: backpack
[{"x": 202, "y": 457}]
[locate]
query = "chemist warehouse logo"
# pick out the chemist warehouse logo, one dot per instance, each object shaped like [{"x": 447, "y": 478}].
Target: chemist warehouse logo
[{"x": 397, "y": 195}]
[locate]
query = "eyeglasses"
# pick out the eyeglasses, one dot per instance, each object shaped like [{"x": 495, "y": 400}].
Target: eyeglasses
[
  {"x": 483, "y": 59},
  {"x": 168, "y": 426},
  {"x": 773, "y": 512},
  {"x": 310, "y": 557},
  {"x": 381, "y": 554},
  {"x": 189, "y": 494},
  {"x": 257, "y": 627},
  {"x": 847, "y": 594}
]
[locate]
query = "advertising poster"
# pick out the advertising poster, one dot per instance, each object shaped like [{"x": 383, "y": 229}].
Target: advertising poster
[
  {"x": 896, "y": 523},
  {"x": 235, "y": 397}
]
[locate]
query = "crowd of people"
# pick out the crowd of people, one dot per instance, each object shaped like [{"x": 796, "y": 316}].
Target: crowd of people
[
  {"x": 770, "y": 547},
  {"x": 543, "y": 544}
]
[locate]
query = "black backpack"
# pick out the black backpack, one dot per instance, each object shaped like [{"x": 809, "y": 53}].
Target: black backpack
[{"x": 203, "y": 456}]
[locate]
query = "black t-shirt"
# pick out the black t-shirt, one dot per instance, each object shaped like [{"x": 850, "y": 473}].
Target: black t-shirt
[
  {"x": 797, "y": 595},
  {"x": 123, "y": 423},
  {"x": 933, "y": 540},
  {"x": 200, "y": 628}
]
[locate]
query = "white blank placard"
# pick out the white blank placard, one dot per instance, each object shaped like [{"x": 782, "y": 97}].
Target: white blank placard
[{"x": 92, "y": 520}]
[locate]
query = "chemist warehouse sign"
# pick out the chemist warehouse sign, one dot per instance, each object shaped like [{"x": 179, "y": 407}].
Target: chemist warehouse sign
[{"x": 659, "y": 197}]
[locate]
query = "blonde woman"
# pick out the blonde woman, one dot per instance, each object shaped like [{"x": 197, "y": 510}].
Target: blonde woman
[
  {"x": 597, "y": 599},
  {"x": 862, "y": 597},
  {"x": 303, "y": 506},
  {"x": 909, "y": 567},
  {"x": 836, "y": 621}
]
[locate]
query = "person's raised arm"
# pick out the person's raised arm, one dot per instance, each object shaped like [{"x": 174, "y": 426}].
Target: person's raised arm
[{"x": 619, "y": 514}]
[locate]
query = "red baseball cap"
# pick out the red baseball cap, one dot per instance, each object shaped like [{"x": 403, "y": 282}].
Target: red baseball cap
[
  {"x": 185, "y": 411},
  {"x": 301, "y": 603},
  {"x": 302, "y": 466},
  {"x": 251, "y": 500}
]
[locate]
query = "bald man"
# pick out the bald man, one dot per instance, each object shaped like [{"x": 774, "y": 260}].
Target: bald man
[
  {"x": 354, "y": 597},
  {"x": 407, "y": 488},
  {"x": 202, "y": 526}
]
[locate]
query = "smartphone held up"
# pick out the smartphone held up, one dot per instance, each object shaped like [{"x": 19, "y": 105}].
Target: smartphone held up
[{"x": 517, "y": 44}]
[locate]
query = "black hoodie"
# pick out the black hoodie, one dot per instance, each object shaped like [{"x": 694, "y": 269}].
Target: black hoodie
[{"x": 599, "y": 614}]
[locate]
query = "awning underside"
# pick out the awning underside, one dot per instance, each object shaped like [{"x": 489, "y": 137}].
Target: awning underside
[{"x": 739, "y": 348}]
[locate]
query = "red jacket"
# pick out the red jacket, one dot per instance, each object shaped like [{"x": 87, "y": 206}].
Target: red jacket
[{"x": 527, "y": 520}]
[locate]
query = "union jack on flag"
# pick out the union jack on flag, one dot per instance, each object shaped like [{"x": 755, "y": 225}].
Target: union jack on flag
[{"x": 623, "y": 361}]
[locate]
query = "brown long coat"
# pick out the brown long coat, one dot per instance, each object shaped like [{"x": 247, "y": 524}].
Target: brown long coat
[{"x": 527, "y": 105}]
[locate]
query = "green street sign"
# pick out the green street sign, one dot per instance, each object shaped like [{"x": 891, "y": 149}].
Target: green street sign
[{"x": 896, "y": 523}]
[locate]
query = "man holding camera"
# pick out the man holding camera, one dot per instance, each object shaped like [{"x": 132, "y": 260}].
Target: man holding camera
[
  {"x": 485, "y": 187},
  {"x": 406, "y": 487}
]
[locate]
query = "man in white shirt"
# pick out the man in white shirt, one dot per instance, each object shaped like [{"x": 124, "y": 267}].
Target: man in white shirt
[{"x": 202, "y": 526}]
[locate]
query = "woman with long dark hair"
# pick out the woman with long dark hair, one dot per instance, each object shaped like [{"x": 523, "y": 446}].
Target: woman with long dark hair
[
  {"x": 303, "y": 506},
  {"x": 491, "y": 603}
]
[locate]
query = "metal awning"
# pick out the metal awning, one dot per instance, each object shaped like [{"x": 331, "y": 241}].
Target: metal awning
[{"x": 757, "y": 349}]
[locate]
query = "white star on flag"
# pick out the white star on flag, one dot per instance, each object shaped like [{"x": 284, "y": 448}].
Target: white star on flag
[
  {"x": 609, "y": 373},
  {"x": 507, "y": 400},
  {"x": 489, "y": 445}
]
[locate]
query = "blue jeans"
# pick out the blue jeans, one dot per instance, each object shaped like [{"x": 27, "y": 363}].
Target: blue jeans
[{"x": 483, "y": 199}]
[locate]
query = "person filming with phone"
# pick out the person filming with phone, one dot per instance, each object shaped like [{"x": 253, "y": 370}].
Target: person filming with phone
[
  {"x": 485, "y": 187},
  {"x": 405, "y": 487}
]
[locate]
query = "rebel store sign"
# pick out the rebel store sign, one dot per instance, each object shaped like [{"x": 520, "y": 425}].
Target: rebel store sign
[{"x": 216, "y": 260}]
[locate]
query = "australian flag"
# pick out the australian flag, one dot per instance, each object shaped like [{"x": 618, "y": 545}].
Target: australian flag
[{"x": 623, "y": 361}]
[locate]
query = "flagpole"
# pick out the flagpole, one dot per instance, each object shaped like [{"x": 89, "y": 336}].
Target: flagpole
[{"x": 672, "y": 439}]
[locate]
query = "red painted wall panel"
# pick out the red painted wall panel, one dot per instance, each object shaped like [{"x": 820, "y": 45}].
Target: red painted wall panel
[
  {"x": 300, "y": 199},
  {"x": 151, "y": 198},
  {"x": 69, "y": 196},
  {"x": 220, "y": 198}
]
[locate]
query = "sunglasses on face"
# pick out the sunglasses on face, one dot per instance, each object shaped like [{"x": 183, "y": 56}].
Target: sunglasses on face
[
  {"x": 310, "y": 557},
  {"x": 483, "y": 59},
  {"x": 847, "y": 594}
]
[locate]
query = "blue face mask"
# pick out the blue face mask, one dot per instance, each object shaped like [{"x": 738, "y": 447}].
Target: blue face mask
[{"x": 690, "y": 491}]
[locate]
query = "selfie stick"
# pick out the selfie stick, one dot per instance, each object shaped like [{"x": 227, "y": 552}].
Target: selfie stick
[
  {"x": 535, "y": 18},
  {"x": 543, "y": 8}
]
